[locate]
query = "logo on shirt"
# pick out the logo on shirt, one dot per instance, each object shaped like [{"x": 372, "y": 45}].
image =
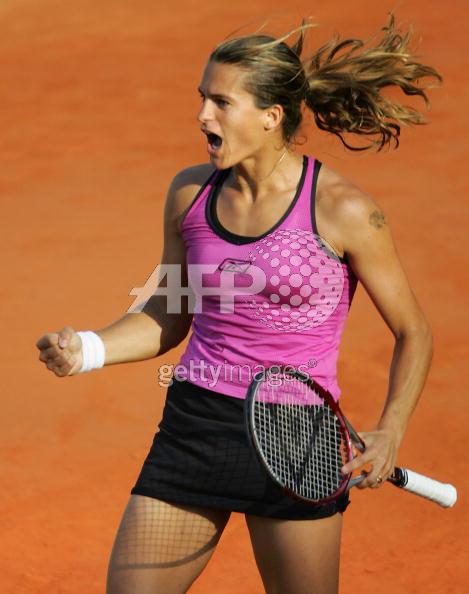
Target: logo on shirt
[{"x": 233, "y": 265}]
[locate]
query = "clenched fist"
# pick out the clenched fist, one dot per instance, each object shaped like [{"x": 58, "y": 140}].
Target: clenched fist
[{"x": 61, "y": 352}]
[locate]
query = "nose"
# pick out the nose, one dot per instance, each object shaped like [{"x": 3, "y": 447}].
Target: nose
[{"x": 205, "y": 113}]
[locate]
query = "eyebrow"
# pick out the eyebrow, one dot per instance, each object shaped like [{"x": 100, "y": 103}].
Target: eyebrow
[{"x": 216, "y": 95}]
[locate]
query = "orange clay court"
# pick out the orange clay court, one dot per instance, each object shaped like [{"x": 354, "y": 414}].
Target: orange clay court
[{"x": 97, "y": 107}]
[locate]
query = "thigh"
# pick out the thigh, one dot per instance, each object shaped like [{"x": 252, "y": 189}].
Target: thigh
[
  {"x": 297, "y": 556},
  {"x": 162, "y": 547}
]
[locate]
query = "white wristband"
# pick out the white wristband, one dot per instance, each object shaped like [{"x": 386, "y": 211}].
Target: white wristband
[{"x": 92, "y": 350}]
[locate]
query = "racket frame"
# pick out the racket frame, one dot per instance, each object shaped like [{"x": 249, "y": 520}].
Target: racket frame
[{"x": 349, "y": 434}]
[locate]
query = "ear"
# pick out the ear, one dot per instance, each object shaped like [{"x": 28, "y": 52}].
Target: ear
[{"x": 273, "y": 117}]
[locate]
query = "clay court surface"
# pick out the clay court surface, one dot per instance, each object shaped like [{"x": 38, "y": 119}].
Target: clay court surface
[{"x": 97, "y": 112}]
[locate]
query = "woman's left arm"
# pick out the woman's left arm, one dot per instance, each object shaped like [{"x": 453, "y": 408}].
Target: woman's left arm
[{"x": 367, "y": 241}]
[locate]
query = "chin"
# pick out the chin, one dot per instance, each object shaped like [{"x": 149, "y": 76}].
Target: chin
[{"x": 220, "y": 162}]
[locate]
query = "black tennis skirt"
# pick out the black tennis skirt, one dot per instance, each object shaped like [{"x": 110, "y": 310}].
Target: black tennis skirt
[{"x": 201, "y": 456}]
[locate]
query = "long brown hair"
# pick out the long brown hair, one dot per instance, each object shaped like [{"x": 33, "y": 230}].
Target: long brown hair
[{"x": 341, "y": 83}]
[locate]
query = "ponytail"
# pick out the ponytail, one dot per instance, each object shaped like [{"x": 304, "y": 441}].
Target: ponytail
[{"x": 345, "y": 83}]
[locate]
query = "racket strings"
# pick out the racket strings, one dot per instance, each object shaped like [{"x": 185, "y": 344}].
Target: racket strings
[{"x": 300, "y": 438}]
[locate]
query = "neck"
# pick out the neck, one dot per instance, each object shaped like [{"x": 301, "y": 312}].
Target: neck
[{"x": 258, "y": 174}]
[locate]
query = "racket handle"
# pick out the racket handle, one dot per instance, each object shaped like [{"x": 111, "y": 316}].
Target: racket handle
[{"x": 442, "y": 493}]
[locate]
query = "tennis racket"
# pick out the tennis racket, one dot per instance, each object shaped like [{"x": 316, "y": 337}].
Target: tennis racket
[{"x": 303, "y": 439}]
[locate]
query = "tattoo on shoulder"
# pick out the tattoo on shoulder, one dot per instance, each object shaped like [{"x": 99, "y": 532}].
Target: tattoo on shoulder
[{"x": 377, "y": 219}]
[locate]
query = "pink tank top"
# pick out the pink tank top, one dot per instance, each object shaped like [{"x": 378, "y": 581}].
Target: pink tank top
[{"x": 278, "y": 299}]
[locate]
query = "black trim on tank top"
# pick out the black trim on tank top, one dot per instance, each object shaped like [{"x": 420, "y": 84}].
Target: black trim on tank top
[
  {"x": 217, "y": 227},
  {"x": 317, "y": 167},
  {"x": 208, "y": 181}
]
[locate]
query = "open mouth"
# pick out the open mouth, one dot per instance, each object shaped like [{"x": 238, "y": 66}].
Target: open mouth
[{"x": 214, "y": 141}]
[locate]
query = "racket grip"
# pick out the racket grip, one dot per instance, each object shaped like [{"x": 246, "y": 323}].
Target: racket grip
[{"x": 442, "y": 493}]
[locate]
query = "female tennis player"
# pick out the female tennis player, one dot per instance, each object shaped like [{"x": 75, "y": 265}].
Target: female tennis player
[{"x": 282, "y": 241}]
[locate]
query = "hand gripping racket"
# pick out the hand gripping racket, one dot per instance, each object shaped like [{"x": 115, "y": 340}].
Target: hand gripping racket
[{"x": 303, "y": 439}]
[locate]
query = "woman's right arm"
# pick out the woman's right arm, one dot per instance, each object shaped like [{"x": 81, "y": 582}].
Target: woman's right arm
[{"x": 153, "y": 331}]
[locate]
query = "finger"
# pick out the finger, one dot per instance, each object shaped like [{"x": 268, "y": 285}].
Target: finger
[
  {"x": 363, "y": 476},
  {"x": 43, "y": 356},
  {"x": 50, "y": 364},
  {"x": 65, "y": 336},
  {"x": 60, "y": 368},
  {"x": 377, "y": 484},
  {"x": 357, "y": 462},
  {"x": 373, "y": 480},
  {"x": 47, "y": 340},
  {"x": 64, "y": 370},
  {"x": 54, "y": 354}
]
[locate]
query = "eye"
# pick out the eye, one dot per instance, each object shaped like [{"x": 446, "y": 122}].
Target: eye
[{"x": 221, "y": 103}]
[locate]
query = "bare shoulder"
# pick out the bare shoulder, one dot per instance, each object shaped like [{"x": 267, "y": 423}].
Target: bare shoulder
[
  {"x": 339, "y": 196},
  {"x": 343, "y": 210},
  {"x": 183, "y": 189}
]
